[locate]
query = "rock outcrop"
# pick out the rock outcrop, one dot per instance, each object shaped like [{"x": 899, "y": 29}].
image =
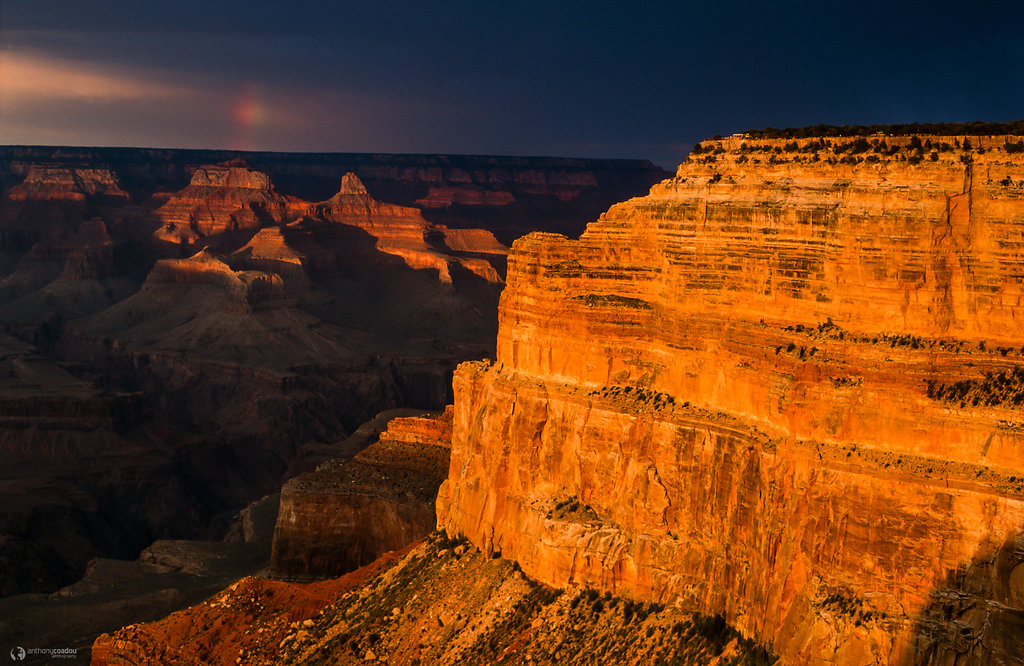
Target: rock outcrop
[
  {"x": 47, "y": 182},
  {"x": 403, "y": 232},
  {"x": 221, "y": 199},
  {"x": 52, "y": 200},
  {"x": 348, "y": 513},
  {"x": 783, "y": 386}
]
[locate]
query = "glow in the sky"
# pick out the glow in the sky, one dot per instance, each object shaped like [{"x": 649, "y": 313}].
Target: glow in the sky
[
  {"x": 28, "y": 77},
  {"x": 250, "y": 114}
]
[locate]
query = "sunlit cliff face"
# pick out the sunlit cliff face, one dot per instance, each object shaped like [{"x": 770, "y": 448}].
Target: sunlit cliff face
[{"x": 780, "y": 386}]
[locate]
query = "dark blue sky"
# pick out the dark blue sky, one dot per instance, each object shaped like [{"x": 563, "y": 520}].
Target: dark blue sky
[{"x": 533, "y": 78}]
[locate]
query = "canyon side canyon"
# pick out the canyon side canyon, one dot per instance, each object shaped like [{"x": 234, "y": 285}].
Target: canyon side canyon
[
  {"x": 183, "y": 331},
  {"x": 770, "y": 410}
]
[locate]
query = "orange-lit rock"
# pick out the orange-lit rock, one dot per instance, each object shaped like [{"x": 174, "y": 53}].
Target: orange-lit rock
[
  {"x": 348, "y": 513},
  {"x": 403, "y": 232},
  {"x": 245, "y": 289},
  {"x": 220, "y": 630},
  {"x": 742, "y": 391},
  {"x": 53, "y": 200},
  {"x": 71, "y": 183},
  {"x": 221, "y": 199}
]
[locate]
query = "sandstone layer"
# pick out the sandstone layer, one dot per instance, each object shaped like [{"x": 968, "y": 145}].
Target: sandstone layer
[
  {"x": 348, "y": 513},
  {"x": 782, "y": 386},
  {"x": 220, "y": 199},
  {"x": 233, "y": 345},
  {"x": 404, "y": 232}
]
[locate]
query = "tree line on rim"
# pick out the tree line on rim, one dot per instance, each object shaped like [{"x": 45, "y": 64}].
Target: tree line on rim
[{"x": 973, "y": 128}]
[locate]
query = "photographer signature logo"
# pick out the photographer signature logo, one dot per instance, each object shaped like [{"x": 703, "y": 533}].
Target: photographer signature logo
[{"x": 19, "y": 653}]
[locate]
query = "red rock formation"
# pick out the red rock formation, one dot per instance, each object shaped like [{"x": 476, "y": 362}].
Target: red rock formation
[
  {"x": 261, "y": 349},
  {"x": 403, "y": 231},
  {"x": 221, "y": 630},
  {"x": 245, "y": 289},
  {"x": 442, "y": 603},
  {"x": 348, "y": 513},
  {"x": 509, "y": 196},
  {"x": 45, "y": 182},
  {"x": 221, "y": 199},
  {"x": 53, "y": 200},
  {"x": 473, "y": 240},
  {"x": 782, "y": 386}
]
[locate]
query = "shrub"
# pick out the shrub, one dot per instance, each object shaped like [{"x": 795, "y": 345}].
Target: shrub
[{"x": 861, "y": 145}]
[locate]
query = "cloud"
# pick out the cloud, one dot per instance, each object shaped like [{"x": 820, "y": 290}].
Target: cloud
[
  {"x": 28, "y": 78},
  {"x": 51, "y": 98}
]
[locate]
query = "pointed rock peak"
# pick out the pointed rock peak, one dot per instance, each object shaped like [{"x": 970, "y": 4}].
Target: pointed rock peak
[
  {"x": 205, "y": 256},
  {"x": 350, "y": 184}
]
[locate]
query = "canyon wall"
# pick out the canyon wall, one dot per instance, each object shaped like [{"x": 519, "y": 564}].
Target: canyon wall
[
  {"x": 786, "y": 386},
  {"x": 348, "y": 513}
]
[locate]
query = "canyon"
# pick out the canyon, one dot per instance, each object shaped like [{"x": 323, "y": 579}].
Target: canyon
[
  {"x": 769, "y": 411},
  {"x": 182, "y": 331}
]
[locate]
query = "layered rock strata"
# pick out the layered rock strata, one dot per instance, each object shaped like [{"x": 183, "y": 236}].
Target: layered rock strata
[
  {"x": 403, "y": 232},
  {"x": 783, "y": 386},
  {"x": 264, "y": 343},
  {"x": 53, "y": 200},
  {"x": 348, "y": 513},
  {"x": 221, "y": 199},
  {"x": 509, "y": 196}
]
